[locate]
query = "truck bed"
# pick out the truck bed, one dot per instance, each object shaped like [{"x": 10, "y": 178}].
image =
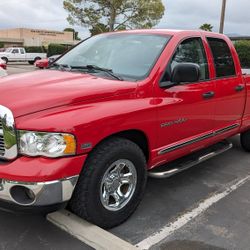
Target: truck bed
[{"x": 246, "y": 71}]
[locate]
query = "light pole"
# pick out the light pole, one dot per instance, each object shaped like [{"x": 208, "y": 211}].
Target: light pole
[{"x": 223, "y": 13}]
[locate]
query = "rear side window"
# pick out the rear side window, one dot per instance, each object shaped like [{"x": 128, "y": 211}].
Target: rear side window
[{"x": 223, "y": 60}]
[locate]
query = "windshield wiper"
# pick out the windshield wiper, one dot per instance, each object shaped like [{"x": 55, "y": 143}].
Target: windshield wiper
[
  {"x": 60, "y": 66},
  {"x": 96, "y": 68}
]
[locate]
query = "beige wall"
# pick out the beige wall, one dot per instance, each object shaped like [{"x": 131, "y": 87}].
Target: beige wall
[{"x": 37, "y": 37}]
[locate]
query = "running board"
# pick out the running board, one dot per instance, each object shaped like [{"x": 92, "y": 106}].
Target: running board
[{"x": 189, "y": 161}]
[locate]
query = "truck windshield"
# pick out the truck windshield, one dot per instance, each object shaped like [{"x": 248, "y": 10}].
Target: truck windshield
[
  {"x": 8, "y": 50},
  {"x": 129, "y": 56}
]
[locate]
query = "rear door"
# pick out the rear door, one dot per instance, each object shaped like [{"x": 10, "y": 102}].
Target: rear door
[{"x": 229, "y": 88}]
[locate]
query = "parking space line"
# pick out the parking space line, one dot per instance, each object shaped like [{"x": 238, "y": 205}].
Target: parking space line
[
  {"x": 184, "y": 219},
  {"x": 87, "y": 233}
]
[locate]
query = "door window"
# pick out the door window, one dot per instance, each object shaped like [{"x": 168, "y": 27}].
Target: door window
[
  {"x": 22, "y": 51},
  {"x": 15, "y": 51},
  {"x": 223, "y": 60},
  {"x": 192, "y": 51},
  {"x": 189, "y": 51}
]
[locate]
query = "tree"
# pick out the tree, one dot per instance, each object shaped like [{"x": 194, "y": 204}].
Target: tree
[
  {"x": 76, "y": 37},
  {"x": 110, "y": 15},
  {"x": 98, "y": 28},
  {"x": 206, "y": 27}
]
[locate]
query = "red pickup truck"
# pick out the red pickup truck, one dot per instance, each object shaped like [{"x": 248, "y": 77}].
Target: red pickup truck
[{"x": 116, "y": 108}]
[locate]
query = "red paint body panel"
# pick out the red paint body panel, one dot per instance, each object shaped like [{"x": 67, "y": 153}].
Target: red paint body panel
[
  {"x": 3, "y": 65},
  {"x": 94, "y": 108},
  {"x": 42, "y": 64},
  {"x": 28, "y": 169}
]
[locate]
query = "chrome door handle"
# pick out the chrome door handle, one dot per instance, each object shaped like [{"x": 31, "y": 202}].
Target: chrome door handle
[
  {"x": 239, "y": 88},
  {"x": 208, "y": 95}
]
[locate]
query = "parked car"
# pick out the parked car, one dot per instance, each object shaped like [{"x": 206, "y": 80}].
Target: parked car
[
  {"x": 3, "y": 72},
  {"x": 118, "y": 107},
  {"x": 3, "y": 65},
  {"x": 44, "y": 63},
  {"x": 20, "y": 55}
]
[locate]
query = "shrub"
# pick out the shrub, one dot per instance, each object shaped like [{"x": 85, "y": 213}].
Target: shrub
[
  {"x": 35, "y": 49},
  {"x": 56, "y": 49},
  {"x": 1, "y": 45},
  {"x": 243, "y": 49}
]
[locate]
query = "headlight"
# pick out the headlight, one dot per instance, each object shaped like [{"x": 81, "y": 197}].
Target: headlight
[{"x": 46, "y": 144}]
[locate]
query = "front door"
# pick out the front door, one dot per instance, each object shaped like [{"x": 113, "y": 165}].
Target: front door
[{"x": 185, "y": 115}]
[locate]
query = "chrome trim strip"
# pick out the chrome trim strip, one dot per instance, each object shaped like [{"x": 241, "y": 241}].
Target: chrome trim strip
[
  {"x": 9, "y": 134},
  {"x": 198, "y": 139},
  {"x": 184, "y": 144},
  {"x": 45, "y": 193},
  {"x": 226, "y": 129}
]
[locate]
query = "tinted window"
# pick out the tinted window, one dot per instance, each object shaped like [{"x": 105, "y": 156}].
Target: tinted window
[
  {"x": 192, "y": 51},
  {"x": 15, "y": 51},
  {"x": 223, "y": 60},
  {"x": 22, "y": 51}
]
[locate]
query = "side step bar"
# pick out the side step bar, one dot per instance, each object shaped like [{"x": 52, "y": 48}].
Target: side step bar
[{"x": 189, "y": 161}]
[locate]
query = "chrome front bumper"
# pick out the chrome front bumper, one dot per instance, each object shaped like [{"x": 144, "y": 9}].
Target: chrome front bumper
[{"x": 38, "y": 193}]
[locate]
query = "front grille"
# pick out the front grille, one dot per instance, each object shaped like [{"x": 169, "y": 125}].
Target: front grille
[{"x": 8, "y": 142}]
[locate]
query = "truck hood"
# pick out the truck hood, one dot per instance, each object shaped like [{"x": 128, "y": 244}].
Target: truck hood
[{"x": 32, "y": 92}]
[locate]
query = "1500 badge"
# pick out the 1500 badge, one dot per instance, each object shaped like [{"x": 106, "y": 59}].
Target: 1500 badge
[{"x": 168, "y": 124}]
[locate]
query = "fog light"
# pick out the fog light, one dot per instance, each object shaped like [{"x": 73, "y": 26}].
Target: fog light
[{"x": 22, "y": 195}]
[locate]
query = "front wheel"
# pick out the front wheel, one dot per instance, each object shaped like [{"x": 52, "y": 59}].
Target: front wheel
[
  {"x": 5, "y": 59},
  {"x": 111, "y": 184}
]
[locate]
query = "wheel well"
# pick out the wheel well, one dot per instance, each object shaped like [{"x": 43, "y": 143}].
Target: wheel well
[{"x": 138, "y": 137}]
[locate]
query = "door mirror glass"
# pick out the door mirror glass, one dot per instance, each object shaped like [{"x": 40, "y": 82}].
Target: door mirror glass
[{"x": 185, "y": 73}]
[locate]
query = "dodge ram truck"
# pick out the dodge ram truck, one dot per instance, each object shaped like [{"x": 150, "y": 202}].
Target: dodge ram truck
[{"x": 115, "y": 109}]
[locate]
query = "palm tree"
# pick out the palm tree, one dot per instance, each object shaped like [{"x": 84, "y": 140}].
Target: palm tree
[{"x": 206, "y": 27}]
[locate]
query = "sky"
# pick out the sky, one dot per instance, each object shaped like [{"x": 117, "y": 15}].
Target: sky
[{"x": 179, "y": 14}]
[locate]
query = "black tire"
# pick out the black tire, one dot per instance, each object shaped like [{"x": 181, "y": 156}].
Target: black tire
[
  {"x": 31, "y": 62},
  {"x": 5, "y": 59},
  {"x": 245, "y": 140},
  {"x": 86, "y": 201}
]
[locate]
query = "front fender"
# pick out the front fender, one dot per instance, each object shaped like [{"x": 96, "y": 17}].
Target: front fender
[{"x": 93, "y": 122}]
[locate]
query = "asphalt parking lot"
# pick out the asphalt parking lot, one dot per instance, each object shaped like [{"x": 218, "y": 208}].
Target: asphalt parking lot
[{"x": 174, "y": 214}]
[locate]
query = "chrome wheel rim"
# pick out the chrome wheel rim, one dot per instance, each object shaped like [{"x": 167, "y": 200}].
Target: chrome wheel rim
[{"x": 118, "y": 185}]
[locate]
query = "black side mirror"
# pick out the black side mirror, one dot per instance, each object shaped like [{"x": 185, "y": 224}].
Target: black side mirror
[
  {"x": 183, "y": 73},
  {"x": 186, "y": 72}
]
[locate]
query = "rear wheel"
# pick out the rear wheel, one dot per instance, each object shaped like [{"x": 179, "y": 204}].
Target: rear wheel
[
  {"x": 111, "y": 184},
  {"x": 245, "y": 140}
]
